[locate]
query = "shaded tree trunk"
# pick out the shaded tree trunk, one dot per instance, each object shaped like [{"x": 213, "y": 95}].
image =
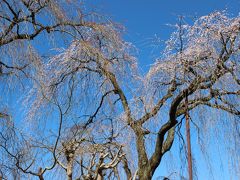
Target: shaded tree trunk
[{"x": 145, "y": 174}]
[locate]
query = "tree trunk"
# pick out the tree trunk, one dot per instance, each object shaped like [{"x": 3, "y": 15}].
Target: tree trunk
[
  {"x": 40, "y": 172},
  {"x": 69, "y": 167},
  {"x": 145, "y": 174},
  {"x": 99, "y": 177},
  {"x": 69, "y": 172},
  {"x": 41, "y": 177}
]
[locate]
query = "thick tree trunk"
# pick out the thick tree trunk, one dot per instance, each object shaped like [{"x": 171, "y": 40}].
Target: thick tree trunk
[{"x": 145, "y": 174}]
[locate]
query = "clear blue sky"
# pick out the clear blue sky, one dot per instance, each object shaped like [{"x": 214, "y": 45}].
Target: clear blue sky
[{"x": 143, "y": 20}]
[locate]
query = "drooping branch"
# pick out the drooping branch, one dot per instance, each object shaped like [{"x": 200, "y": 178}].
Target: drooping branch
[{"x": 159, "y": 104}]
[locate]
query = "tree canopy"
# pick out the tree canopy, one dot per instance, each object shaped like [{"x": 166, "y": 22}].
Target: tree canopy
[{"x": 87, "y": 111}]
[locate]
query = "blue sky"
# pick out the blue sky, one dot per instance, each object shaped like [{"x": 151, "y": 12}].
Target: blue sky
[{"x": 146, "y": 19}]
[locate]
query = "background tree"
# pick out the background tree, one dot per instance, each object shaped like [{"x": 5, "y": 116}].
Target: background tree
[{"x": 34, "y": 151}]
